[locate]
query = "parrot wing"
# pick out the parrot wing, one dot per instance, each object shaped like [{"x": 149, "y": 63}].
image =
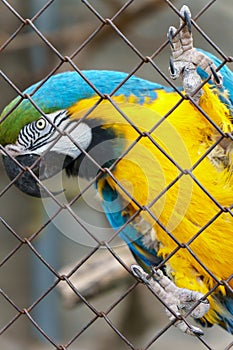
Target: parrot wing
[
  {"x": 130, "y": 231},
  {"x": 225, "y": 93}
]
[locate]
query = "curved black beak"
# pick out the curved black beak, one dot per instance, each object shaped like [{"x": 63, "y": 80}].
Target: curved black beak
[
  {"x": 43, "y": 168},
  {"x": 26, "y": 182}
]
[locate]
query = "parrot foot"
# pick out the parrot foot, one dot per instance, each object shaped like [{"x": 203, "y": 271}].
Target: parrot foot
[
  {"x": 179, "y": 301},
  {"x": 186, "y": 59}
]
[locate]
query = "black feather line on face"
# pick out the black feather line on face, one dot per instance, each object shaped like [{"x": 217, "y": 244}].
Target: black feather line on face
[{"x": 83, "y": 166}]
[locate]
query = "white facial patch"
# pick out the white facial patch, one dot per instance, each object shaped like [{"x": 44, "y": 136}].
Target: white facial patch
[
  {"x": 62, "y": 135},
  {"x": 80, "y": 136}
]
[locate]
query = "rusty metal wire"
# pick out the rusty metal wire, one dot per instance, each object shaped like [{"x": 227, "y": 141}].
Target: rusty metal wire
[{"x": 27, "y": 311}]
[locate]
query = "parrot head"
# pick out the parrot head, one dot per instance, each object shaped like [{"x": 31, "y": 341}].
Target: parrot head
[
  {"x": 42, "y": 147},
  {"x": 46, "y": 131},
  {"x": 28, "y": 131}
]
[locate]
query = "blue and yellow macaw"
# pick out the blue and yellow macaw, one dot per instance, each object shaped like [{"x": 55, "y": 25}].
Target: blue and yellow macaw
[{"x": 164, "y": 174}]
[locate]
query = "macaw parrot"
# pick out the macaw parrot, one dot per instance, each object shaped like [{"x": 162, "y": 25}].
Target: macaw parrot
[{"x": 161, "y": 163}]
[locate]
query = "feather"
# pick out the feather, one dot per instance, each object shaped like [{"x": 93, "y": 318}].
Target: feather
[
  {"x": 140, "y": 178},
  {"x": 63, "y": 90},
  {"x": 159, "y": 159}
]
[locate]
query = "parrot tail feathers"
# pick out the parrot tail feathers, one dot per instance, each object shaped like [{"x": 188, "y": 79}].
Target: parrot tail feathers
[
  {"x": 227, "y": 316},
  {"x": 145, "y": 257},
  {"x": 221, "y": 313},
  {"x": 118, "y": 214}
]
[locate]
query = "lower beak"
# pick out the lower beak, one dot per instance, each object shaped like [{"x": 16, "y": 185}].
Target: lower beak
[
  {"x": 27, "y": 183},
  {"x": 29, "y": 170}
]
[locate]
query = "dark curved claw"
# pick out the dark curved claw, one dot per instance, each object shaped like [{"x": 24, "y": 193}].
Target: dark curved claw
[
  {"x": 216, "y": 76},
  {"x": 170, "y": 34},
  {"x": 188, "y": 22},
  {"x": 138, "y": 272},
  {"x": 196, "y": 331},
  {"x": 172, "y": 67}
]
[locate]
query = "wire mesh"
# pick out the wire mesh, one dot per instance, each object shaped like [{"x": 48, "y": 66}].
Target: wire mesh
[{"x": 66, "y": 61}]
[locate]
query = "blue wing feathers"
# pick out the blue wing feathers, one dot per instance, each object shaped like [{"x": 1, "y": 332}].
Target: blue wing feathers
[
  {"x": 115, "y": 210},
  {"x": 228, "y": 318},
  {"x": 65, "y": 89},
  {"x": 227, "y": 80}
]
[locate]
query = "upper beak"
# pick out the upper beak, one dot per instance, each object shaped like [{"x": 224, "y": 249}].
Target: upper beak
[{"x": 43, "y": 168}]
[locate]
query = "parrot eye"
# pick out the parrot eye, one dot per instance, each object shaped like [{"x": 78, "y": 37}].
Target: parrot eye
[
  {"x": 41, "y": 123},
  {"x": 39, "y": 132}
]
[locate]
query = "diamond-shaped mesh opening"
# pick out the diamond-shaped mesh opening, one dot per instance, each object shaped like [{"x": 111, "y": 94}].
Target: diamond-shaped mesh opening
[{"x": 65, "y": 272}]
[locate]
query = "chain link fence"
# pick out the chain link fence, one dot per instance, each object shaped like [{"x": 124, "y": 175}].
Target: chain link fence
[{"x": 94, "y": 301}]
